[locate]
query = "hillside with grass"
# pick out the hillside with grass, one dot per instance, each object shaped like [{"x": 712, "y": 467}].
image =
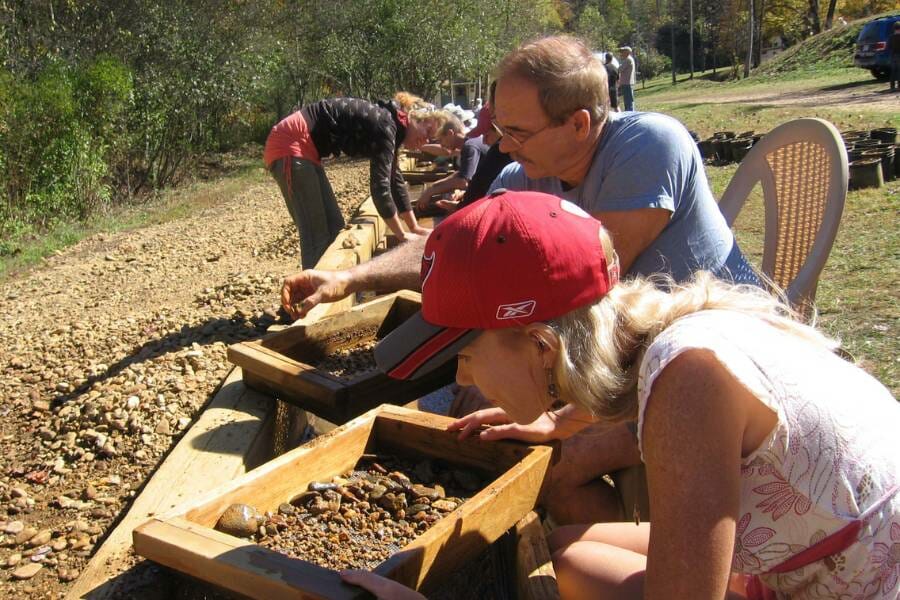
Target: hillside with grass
[{"x": 831, "y": 50}]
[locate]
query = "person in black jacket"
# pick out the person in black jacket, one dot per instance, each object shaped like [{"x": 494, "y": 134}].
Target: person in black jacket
[
  {"x": 612, "y": 78},
  {"x": 357, "y": 128}
]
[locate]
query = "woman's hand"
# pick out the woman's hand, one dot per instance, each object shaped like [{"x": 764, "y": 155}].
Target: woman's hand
[
  {"x": 501, "y": 427},
  {"x": 551, "y": 425},
  {"x": 382, "y": 587},
  {"x": 304, "y": 290}
]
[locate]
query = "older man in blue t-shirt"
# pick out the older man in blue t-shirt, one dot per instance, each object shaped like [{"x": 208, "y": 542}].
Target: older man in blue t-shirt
[{"x": 646, "y": 162}]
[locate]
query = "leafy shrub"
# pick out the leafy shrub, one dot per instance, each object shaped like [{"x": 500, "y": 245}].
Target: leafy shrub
[{"x": 651, "y": 63}]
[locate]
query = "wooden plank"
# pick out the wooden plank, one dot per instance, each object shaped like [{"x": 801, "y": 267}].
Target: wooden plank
[
  {"x": 238, "y": 565},
  {"x": 535, "y": 578},
  {"x": 280, "y": 363},
  {"x": 284, "y": 477},
  {"x": 216, "y": 448}
]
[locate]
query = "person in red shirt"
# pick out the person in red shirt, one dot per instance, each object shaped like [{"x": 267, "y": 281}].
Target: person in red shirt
[{"x": 358, "y": 128}]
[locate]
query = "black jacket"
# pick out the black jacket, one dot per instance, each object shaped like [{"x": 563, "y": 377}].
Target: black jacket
[{"x": 363, "y": 129}]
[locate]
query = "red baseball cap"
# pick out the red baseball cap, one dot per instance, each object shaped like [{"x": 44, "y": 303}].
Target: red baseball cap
[{"x": 507, "y": 260}]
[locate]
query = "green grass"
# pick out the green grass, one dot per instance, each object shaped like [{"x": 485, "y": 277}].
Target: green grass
[
  {"x": 28, "y": 246},
  {"x": 857, "y": 291},
  {"x": 856, "y": 298}
]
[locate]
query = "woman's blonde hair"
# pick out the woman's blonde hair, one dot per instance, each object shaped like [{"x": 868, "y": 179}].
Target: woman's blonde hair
[
  {"x": 408, "y": 102},
  {"x": 602, "y": 344}
]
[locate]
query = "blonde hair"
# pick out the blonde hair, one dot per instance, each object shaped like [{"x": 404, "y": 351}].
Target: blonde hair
[
  {"x": 602, "y": 344},
  {"x": 567, "y": 74},
  {"x": 435, "y": 118},
  {"x": 408, "y": 102},
  {"x": 452, "y": 124}
]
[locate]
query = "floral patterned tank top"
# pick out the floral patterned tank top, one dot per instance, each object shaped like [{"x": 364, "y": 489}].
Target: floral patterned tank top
[{"x": 828, "y": 471}]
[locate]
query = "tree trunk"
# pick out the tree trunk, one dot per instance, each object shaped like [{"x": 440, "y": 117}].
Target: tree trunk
[
  {"x": 691, "y": 33},
  {"x": 829, "y": 18},
  {"x": 750, "y": 21},
  {"x": 672, "y": 37},
  {"x": 814, "y": 22}
]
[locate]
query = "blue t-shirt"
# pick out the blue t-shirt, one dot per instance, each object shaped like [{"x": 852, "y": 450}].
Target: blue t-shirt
[{"x": 648, "y": 160}]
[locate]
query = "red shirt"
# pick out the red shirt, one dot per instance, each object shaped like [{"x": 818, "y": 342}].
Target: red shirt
[{"x": 290, "y": 137}]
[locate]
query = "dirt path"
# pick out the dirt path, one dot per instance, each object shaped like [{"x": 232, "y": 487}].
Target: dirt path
[
  {"x": 868, "y": 94},
  {"x": 107, "y": 354}
]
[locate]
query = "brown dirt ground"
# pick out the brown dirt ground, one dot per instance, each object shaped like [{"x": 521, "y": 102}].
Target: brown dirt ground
[{"x": 111, "y": 348}]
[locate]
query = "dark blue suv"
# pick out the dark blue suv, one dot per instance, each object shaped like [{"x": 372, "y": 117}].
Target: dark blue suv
[{"x": 873, "y": 46}]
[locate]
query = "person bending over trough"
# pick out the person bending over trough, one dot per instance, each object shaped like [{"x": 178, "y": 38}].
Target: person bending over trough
[
  {"x": 773, "y": 464},
  {"x": 357, "y": 128}
]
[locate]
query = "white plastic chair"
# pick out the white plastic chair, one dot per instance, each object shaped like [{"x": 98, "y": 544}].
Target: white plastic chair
[{"x": 802, "y": 169}]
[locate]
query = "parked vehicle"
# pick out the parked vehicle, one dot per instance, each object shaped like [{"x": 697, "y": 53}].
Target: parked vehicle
[{"x": 873, "y": 50}]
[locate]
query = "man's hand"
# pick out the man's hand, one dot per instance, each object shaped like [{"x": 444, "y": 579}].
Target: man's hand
[
  {"x": 448, "y": 205},
  {"x": 424, "y": 200},
  {"x": 304, "y": 290}
]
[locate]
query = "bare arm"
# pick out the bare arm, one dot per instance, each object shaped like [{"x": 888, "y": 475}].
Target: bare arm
[
  {"x": 449, "y": 183},
  {"x": 633, "y": 231},
  {"x": 392, "y": 271},
  {"x": 692, "y": 434}
]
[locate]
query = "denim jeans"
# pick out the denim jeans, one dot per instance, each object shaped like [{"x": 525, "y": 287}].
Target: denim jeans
[
  {"x": 312, "y": 205},
  {"x": 627, "y": 96},
  {"x": 895, "y": 71}
]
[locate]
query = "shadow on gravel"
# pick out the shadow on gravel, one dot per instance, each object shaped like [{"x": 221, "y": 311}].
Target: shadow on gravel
[{"x": 225, "y": 330}]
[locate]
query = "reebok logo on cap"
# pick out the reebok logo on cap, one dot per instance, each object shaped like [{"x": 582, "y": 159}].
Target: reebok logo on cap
[{"x": 516, "y": 310}]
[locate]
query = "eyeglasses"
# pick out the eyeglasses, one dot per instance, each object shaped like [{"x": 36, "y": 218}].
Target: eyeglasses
[{"x": 517, "y": 141}]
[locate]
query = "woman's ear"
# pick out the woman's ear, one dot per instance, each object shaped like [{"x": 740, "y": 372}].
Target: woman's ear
[{"x": 546, "y": 341}]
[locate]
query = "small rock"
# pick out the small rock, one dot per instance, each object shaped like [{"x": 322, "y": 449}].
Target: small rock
[
  {"x": 240, "y": 520},
  {"x": 89, "y": 493},
  {"x": 66, "y": 575},
  {"x": 14, "y": 527},
  {"x": 28, "y": 571},
  {"x": 163, "y": 427},
  {"x": 40, "y": 538},
  {"x": 444, "y": 505},
  {"x": 13, "y": 559},
  {"x": 286, "y": 509},
  {"x": 25, "y": 535}
]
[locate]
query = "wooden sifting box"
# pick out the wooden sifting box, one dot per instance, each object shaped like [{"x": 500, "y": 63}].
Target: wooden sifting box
[
  {"x": 184, "y": 538},
  {"x": 283, "y": 363}
]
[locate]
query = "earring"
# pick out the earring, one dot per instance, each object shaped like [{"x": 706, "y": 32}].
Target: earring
[{"x": 552, "y": 390}]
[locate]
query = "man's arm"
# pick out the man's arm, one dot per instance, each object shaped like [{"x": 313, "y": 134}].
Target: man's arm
[
  {"x": 395, "y": 270},
  {"x": 633, "y": 231},
  {"x": 449, "y": 183}
]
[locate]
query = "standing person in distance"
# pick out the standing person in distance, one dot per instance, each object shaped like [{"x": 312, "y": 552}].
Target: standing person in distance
[
  {"x": 627, "y": 77},
  {"x": 612, "y": 78}
]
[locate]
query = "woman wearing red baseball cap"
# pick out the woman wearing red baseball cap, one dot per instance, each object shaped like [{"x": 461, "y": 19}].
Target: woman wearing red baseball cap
[{"x": 773, "y": 464}]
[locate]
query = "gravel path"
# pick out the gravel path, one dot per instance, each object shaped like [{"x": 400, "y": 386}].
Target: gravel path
[{"x": 109, "y": 351}]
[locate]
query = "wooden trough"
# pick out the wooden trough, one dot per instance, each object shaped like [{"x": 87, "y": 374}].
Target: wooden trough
[
  {"x": 284, "y": 363},
  {"x": 184, "y": 538},
  {"x": 235, "y": 433}
]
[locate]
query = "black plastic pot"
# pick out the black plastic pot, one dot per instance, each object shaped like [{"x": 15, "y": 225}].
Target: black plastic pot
[
  {"x": 866, "y": 173},
  {"x": 885, "y": 134},
  {"x": 886, "y": 156}
]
